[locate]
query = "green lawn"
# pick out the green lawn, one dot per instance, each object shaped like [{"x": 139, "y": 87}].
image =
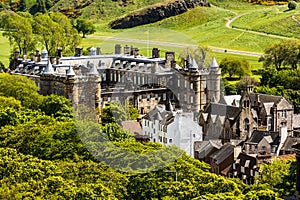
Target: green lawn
[
  {"x": 4, "y": 50},
  {"x": 274, "y": 20}
]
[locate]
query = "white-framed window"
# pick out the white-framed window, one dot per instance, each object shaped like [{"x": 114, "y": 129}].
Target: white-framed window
[
  {"x": 170, "y": 140},
  {"x": 192, "y": 99},
  {"x": 242, "y": 169},
  {"x": 283, "y": 114},
  {"x": 178, "y": 82},
  {"x": 192, "y": 86}
]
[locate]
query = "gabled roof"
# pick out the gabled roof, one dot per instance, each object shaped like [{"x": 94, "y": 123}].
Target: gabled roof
[
  {"x": 223, "y": 153},
  {"x": 222, "y": 110},
  {"x": 268, "y": 107},
  {"x": 289, "y": 142},
  {"x": 207, "y": 146},
  {"x": 257, "y": 136},
  {"x": 264, "y": 98}
]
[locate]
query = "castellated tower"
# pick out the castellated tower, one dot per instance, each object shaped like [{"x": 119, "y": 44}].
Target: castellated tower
[{"x": 213, "y": 81}]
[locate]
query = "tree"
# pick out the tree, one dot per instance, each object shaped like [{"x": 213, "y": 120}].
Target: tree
[
  {"x": 234, "y": 66},
  {"x": 55, "y": 31},
  {"x": 23, "y": 6},
  {"x": 71, "y": 38},
  {"x": 283, "y": 53},
  {"x": 114, "y": 113},
  {"x": 57, "y": 106},
  {"x": 292, "y": 5},
  {"x": 85, "y": 27},
  {"x": 279, "y": 175},
  {"x": 18, "y": 30},
  {"x": 21, "y": 88}
]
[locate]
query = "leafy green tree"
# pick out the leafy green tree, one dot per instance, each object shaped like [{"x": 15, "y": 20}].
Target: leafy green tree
[
  {"x": 283, "y": 53},
  {"x": 71, "y": 38},
  {"x": 114, "y": 113},
  {"x": 23, "y": 6},
  {"x": 41, "y": 6},
  {"x": 279, "y": 175},
  {"x": 234, "y": 66},
  {"x": 57, "y": 106},
  {"x": 292, "y": 5},
  {"x": 55, "y": 31},
  {"x": 9, "y": 102},
  {"x": 18, "y": 30},
  {"x": 21, "y": 88},
  {"x": 85, "y": 27}
]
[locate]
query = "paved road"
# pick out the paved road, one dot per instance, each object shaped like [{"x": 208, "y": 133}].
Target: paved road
[{"x": 180, "y": 45}]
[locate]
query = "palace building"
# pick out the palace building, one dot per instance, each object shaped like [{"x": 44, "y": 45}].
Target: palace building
[{"x": 144, "y": 81}]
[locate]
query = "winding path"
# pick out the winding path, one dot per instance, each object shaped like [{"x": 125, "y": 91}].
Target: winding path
[{"x": 229, "y": 21}]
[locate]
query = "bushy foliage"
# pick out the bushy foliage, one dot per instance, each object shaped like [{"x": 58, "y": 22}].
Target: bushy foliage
[
  {"x": 234, "y": 67},
  {"x": 21, "y": 88},
  {"x": 292, "y": 5},
  {"x": 279, "y": 175}
]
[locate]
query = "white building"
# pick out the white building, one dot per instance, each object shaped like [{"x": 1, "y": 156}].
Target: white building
[{"x": 172, "y": 128}]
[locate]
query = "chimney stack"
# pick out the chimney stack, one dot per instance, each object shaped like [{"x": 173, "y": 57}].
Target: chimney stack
[
  {"x": 118, "y": 49},
  {"x": 155, "y": 53},
  {"x": 170, "y": 57},
  {"x": 136, "y": 52},
  {"x": 127, "y": 50},
  {"x": 38, "y": 56},
  {"x": 78, "y": 51},
  {"x": 98, "y": 51}
]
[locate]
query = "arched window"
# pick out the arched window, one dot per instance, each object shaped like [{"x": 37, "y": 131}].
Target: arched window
[{"x": 246, "y": 124}]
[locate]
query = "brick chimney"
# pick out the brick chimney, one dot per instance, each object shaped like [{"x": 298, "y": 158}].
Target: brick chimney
[
  {"x": 170, "y": 57},
  {"x": 155, "y": 53},
  {"x": 78, "y": 51},
  {"x": 127, "y": 50}
]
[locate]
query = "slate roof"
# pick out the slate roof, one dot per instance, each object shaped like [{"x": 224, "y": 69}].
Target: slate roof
[
  {"x": 257, "y": 136},
  {"x": 289, "y": 142},
  {"x": 245, "y": 159},
  {"x": 222, "y": 110},
  {"x": 207, "y": 146},
  {"x": 223, "y": 153},
  {"x": 264, "y": 98}
]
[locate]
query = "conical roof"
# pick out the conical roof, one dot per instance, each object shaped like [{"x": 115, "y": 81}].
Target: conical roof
[
  {"x": 49, "y": 69},
  {"x": 214, "y": 63},
  {"x": 93, "y": 70},
  {"x": 71, "y": 72}
]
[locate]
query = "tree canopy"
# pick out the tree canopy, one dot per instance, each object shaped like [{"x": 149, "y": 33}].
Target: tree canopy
[
  {"x": 85, "y": 27},
  {"x": 284, "y": 53},
  {"x": 233, "y": 66}
]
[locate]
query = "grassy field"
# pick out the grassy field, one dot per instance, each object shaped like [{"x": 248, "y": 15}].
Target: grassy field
[
  {"x": 199, "y": 26},
  {"x": 4, "y": 50},
  {"x": 275, "y": 20}
]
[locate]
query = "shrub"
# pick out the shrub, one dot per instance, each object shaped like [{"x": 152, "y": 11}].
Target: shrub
[{"x": 292, "y": 5}]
